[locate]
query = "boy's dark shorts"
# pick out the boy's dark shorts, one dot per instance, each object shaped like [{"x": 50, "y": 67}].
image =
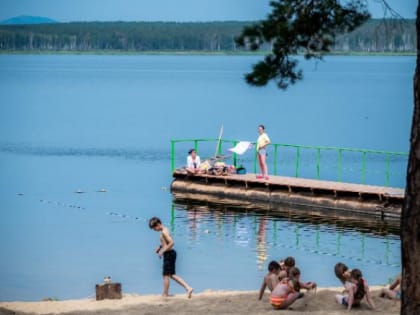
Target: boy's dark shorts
[{"x": 169, "y": 259}]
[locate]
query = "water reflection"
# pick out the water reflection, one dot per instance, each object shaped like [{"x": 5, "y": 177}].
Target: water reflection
[
  {"x": 261, "y": 242},
  {"x": 267, "y": 235}
]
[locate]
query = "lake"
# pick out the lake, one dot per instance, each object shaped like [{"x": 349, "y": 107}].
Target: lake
[{"x": 102, "y": 125}]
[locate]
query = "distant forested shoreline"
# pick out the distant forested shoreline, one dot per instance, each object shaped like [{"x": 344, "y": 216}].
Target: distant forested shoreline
[{"x": 375, "y": 36}]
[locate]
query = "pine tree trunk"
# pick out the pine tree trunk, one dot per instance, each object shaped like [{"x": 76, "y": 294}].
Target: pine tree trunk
[{"x": 410, "y": 216}]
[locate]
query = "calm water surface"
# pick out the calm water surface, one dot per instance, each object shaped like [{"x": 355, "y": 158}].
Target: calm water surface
[{"x": 70, "y": 123}]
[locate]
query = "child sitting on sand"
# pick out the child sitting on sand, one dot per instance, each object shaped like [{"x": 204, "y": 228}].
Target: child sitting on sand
[
  {"x": 271, "y": 279},
  {"x": 342, "y": 272},
  {"x": 290, "y": 264},
  {"x": 287, "y": 290},
  {"x": 294, "y": 273},
  {"x": 394, "y": 290},
  {"x": 357, "y": 290},
  {"x": 285, "y": 293}
]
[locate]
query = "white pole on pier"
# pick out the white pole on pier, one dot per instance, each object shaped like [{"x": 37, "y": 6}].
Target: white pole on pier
[{"x": 220, "y": 139}]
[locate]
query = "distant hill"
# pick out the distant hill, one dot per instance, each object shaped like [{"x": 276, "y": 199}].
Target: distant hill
[{"x": 27, "y": 19}]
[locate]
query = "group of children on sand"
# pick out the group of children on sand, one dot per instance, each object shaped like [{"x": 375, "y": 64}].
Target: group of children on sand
[
  {"x": 356, "y": 287},
  {"x": 283, "y": 280}
]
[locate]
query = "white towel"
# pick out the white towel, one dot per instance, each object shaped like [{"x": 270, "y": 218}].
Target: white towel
[{"x": 241, "y": 147}]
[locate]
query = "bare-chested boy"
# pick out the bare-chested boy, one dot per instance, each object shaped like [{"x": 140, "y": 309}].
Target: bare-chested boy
[
  {"x": 271, "y": 279},
  {"x": 166, "y": 251}
]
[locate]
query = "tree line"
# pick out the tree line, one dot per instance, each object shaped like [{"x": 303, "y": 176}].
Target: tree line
[
  {"x": 373, "y": 36},
  {"x": 380, "y": 36}
]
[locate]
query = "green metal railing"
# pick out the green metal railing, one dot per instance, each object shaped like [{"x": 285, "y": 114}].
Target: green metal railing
[
  {"x": 362, "y": 155},
  {"x": 339, "y": 152}
]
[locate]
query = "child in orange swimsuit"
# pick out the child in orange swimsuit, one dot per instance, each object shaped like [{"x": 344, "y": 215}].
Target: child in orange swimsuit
[
  {"x": 284, "y": 294},
  {"x": 287, "y": 291}
]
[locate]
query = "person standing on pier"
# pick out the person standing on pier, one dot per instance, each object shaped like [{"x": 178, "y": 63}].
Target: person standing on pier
[{"x": 262, "y": 142}]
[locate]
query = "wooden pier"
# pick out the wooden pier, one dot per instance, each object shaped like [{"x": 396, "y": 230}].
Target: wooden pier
[{"x": 315, "y": 197}]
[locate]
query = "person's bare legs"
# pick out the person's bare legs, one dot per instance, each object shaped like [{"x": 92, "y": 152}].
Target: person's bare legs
[
  {"x": 339, "y": 298},
  {"x": 263, "y": 165},
  {"x": 259, "y": 163},
  {"x": 291, "y": 298},
  {"x": 390, "y": 294},
  {"x": 165, "y": 286},
  {"x": 181, "y": 282}
]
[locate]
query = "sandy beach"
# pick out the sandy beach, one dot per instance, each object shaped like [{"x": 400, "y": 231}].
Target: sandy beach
[{"x": 207, "y": 302}]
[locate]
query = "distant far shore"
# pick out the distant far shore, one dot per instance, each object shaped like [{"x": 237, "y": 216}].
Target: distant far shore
[
  {"x": 208, "y": 302},
  {"x": 186, "y": 53}
]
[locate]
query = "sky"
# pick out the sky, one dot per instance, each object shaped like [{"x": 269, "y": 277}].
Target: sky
[{"x": 163, "y": 10}]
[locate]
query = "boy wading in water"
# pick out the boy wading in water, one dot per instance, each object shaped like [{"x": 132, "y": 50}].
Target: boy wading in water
[{"x": 166, "y": 251}]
